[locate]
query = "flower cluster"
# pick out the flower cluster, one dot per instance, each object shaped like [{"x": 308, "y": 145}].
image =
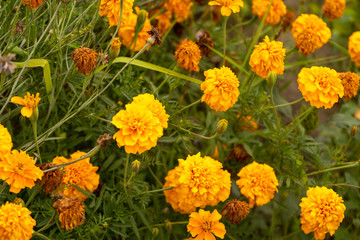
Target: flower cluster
[
  {"x": 354, "y": 47},
  {"x": 277, "y": 10},
  {"x": 85, "y": 59},
  {"x": 111, "y": 10},
  {"x": 198, "y": 182},
  {"x": 333, "y": 9},
  {"x": 228, "y": 6},
  {"x": 188, "y": 55}
]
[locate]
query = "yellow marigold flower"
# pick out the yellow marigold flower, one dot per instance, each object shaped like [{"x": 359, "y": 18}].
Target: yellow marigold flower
[
  {"x": 29, "y": 102},
  {"x": 5, "y": 140},
  {"x": 227, "y": 6},
  {"x": 116, "y": 43},
  {"x": 205, "y": 225},
  {"x": 220, "y": 88},
  {"x": 82, "y": 174},
  {"x": 350, "y": 81},
  {"x": 127, "y": 33},
  {"x": 333, "y": 9},
  {"x": 235, "y": 211},
  {"x": 139, "y": 129},
  {"x": 18, "y": 170},
  {"x": 310, "y": 33},
  {"x": 322, "y": 211},
  {"x": 267, "y": 57},
  {"x": 71, "y": 212},
  {"x": 85, "y": 59},
  {"x": 148, "y": 101},
  {"x": 257, "y": 183},
  {"x": 354, "y": 47},
  {"x": 180, "y": 8},
  {"x": 32, "y": 4},
  {"x": 321, "y": 86},
  {"x": 188, "y": 55},
  {"x": 163, "y": 22},
  {"x": 15, "y": 222},
  {"x": 277, "y": 10},
  {"x": 111, "y": 10},
  {"x": 197, "y": 182}
]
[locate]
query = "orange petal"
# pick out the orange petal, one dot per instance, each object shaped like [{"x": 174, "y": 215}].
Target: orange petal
[{"x": 18, "y": 100}]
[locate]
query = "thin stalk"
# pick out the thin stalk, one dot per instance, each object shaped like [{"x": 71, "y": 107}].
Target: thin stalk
[
  {"x": 126, "y": 168},
  {"x": 34, "y": 125},
  {"x": 47, "y": 224},
  {"x": 32, "y": 196},
  {"x": 274, "y": 108},
  {"x": 190, "y": 105},
  {"x": 160, "y": 190},
  {"x": 334, "y": 169},
  {"x": 224, "y": 36},
  {"x": 2, "y": 81},
  {"x": 156, "y": 178},
  {"x": 161, "y": 84},
  {"x": 344, "y": 184},
  {"x": 195, "y": 134},
  {"x": 285, "y": 104}
]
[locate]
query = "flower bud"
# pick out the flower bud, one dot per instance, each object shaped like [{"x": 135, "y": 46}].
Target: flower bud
[
  {"x": 141, "y": 17},
  {"x": 353, "y": 131},
  {"x": 34, "y": 116},
  {"x": 271, "y": 79},
  {"x": 19, "y": 201},
  {"x": 135, "y": 166},
  {"x": 221, "y": 126},
  {"x": 155, "y": 232},
  {"x": 168, "y": 225},
  {"x": 115, "y": 48}
]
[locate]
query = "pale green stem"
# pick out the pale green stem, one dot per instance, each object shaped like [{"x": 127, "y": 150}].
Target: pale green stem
[
  {"x": 156, "y": 178},
  {"x": 32, "y": 196},
  {"x": 34, "y": 124},
  {"x": 344, "y": 184},
  {"x": 2, "y": 81},
  {"x": 274, "y": 108},
  {"x": 284, "y": 105},
  {"x": 159, "y": 190},
  {"x": 334, "y": 169},
  {"x": 47, "y": 224},
  {"x": 126, "y": 168},
  {"x": 195, "y": 134},
  {"x": 190, "y": 105},
  {"x": 224, "y": 36},
  {"x": 161, "y": 84}
]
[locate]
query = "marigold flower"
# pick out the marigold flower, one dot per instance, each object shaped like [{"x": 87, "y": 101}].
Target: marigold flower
[
  {"x": 6, "y": 66},
  {"x": 32, "y": 4},
  {"x": 51, "y": 180},
  {"x": 350, "y": 81},
  {"x": 15, "y": 222},
  {"x": 139, "y": 128},
  {"x": 235, "y": 211},
  {"x": 267, "y": 57},
  {"x": 228, "y": 6},
  {"x": 354, "y": 47},
  {"x": 82, "y": 174},
  {"x": 220, "y": 88},
  {"x": 321, "y": 86},
  {"x": 5, "y": 140},
  {"x": 277, "y": 10},
  {"x": 310, "y": 33},
  {"x": 205, "y": 225},
  {"x": 180, "y": 8},
  {"x": 322, "y": 211},
  {"x": 198, "y": 182},
  {"x": 333, "y": 9},
  {"x": 29, "y": 102},
  {"x": 257, "y": 183},
  {"x": 85, "y": 59},
  {"x": 163, "y": 21},
  {"x": 71, "y": 212},
  {"x": 111, "y": 10},
  {"x": 18, "y": 170},
  {"x": 188, "y": 55}
]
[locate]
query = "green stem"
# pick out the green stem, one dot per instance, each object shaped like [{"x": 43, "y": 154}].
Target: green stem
[
  {"x": 344, "y": 184},
  {"x": 224, "y": 36},
  {"x": 41, "y": 236},
  {"x": 126, "y": 168},
  {"x": 2, "y": 81},
  {"x": 195, "y": 134},
  {"x": 160, "y": 190},
  {"x": 190, "y": 105},
  {"x": 161, "y": 84},
  {"x": 47, "y": 224},
  {"x": 32, "y": 196},
  {"x": 334, "y": 169},
  {"x": 34, "y": 124},
  {"x": 284, "y": 105},
  {"x": 274, "y": 108},
  {"x": 156, "y": 178},
  {"x": 338, "y": 46}
]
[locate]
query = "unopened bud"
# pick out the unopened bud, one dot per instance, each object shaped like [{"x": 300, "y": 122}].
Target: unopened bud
[
  {"x": 271, "y": 79},
  {"x": 34, "y": 116},
  {"x": 135, "y": 166},
  {"x": 141, "y": 17},
  {"x": 353, "y": 131},
  {"x": 19, "y": 201},
  {"x": 168, "y": 225},
  {"x": 155, "y": 232},
  {"x": 221, "y": 126},
  {"x": 115, "y": 48}
]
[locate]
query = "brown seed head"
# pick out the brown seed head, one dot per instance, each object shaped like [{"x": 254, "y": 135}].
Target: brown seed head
[
  {"x": 85, "y": 59},
  {"x": 71, "y": 212},
  {"x": 104, "y": 140},
  {"x": 51, "y": 180},
  {"x": 235, "y": 211},
  {"x": 155, "y": 35},
  {"x": 205, "y": 39}
]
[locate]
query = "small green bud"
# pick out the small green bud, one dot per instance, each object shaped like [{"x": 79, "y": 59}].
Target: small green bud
[
  {"x": 155, "y": 232},
  {"x": 222, "y": 126},
  {"x": 168, "y": 225},
  {"x": 135, "y": 166},
  {"x": 34, "y": 116},
  {"x": 141, "y": 17},
  {"x": 353, "y": 131},
  {"x": 271, "y": 79}
]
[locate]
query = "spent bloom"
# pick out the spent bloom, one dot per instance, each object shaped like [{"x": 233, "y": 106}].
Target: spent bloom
[
  {"x": 188, "y": 55},
  {"x": 350, "y": 81},
  {"x": 321, "y": 86},
  {"x": 235, "y": 211},
  {"x": 180, "y": 8},
  {"x": 277, "y": 10},
  {"x": 82, "y": 174},
  {"x": 6, "y": 66},
  {"x": 51, "y": 180},
  {"x": 322, "y": 211},
  {"x": 354, "y": 47},
  {"x": 310, "y": 33},
  {"x": 267, "y": 57},
  {"x": 32, "y": 4},
  {"x": 111, "y": 10},
  {"x": 5, "y": 140},
  {"x": 220, "y": 88},
  {"x": 30, "y": 103},
  {"x": 257, "y": 183},
  {"x": 71, "y": 212},
  {"x": 198, "y": 182},
  {"x": 204, "y": 225},
  {"x": 228, "y": 6},
  {"x": 18, "y": 170},
  {"x": 85, "y": 59},
  {"x": 333, "y": 9},
  {"x": 15, "y": 222}
]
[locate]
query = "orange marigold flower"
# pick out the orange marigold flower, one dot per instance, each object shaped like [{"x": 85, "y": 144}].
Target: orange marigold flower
[
  {"x": 350, "y": 81},
  {"x": 198, "y": 182},
  {"x": 180, "y": 8},
  {"x": 322, "y": 211},
  {"x": 310, "y": 33},
  {"x": 188, "y": 55},
  {"x": 257, "y": 183},
  {"x": 354, "y": 47},
  {"x": 85, "y": 59},
  {"x": 115, "y": 44},
  {"x": 267, "y": 57},
  {"x": 5, "y": 140},
  {"x": 29, "y": 102},
  {"x": 228, "y": 6},
  {"x": 111, "y": 10},
  {"x": 235, "y": 211},
  {"x": 32, "y": 4},
  {"x": 163, "y": 22},
  {"x": 18, "y": 170},
  {"x": 277, "y": 10},
  {"x": 321, "y": 86},
  {"x": 71, "y": 212},
  {"x": 204, "y": 224},
  {"x": 15, "y": 222},
  {"x": 220, "y": 88},
  {"x": 333, "y": 9},
  {"x": 82, "y": 174}
]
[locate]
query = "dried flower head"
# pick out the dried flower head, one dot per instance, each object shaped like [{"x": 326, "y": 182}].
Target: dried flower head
[
  {"x": 235, "y": 211},
  {"x": 163, "y": 21},
  {"x": 204, "y": 225},
  {"x": 350, "y": 81},
  {"x": 354, "y": 47},
  {"x": 198, "y": 182},
  {"x": 51, "y": 180},
  {"x": 180, "y": 8},
  {"x": 257, "y": 183},
  {"x": 220, "y": 88},
  {"x": 333, "y": 9},
  {"x": 188, "y": 55},
  {"x": 71, "y": 212},
  {"x": 104, "y": 140},
  {"x": 321, "y": 86},
  {"x": 268, "y": 57},
  {"x": 32, "y": 4},
  {"x": 5, "y": 140},
  {"x": 6, "y": 66},
  {"x": 29, "y": 102},
  {"x": 288, "y": 19},
  {"x": 277, "y": 10},
  {"x": 85, "y": 59},
  {"x": 310, "y": 33},
  {"x": 239, "y": 153},
  {"x": 228, "y": 6},
  {"x": 18, "y": 170},
  {"x": 322, "y": 211},
  {"x": 205, "y": 39},
  {"x": 155, "y": 34},
  {"x": 15, "y": 222},
  {"x": 111, "y": 10}
]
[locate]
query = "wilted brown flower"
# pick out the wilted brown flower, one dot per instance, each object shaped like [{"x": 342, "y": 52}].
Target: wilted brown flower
[
  {"x": 71, "y": 212},
  {"x": 205, "y": 39},
  {"x": 52, "y": 179},
  {"x": 155, "y": 35},
  {"x": 288, "y": 19},
  {"x": 239, "y": 153},
  {"x": 235, "y": 211},
  {"x": 85, "y": 59},
  {"x": 104, "y": 140},
  {"x": 350, "y": 81},
  {"x": 6, "y": 66}
]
